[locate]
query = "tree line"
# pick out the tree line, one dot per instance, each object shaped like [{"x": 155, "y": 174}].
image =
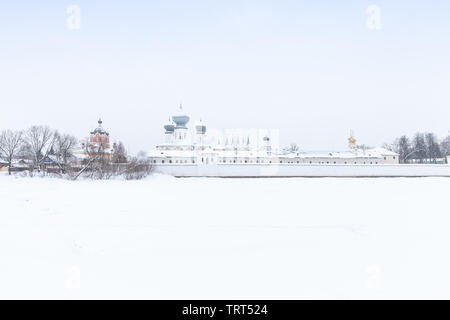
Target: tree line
[
  {"x": 421, "y": 148},
  {"x": 38, "y": 144}
]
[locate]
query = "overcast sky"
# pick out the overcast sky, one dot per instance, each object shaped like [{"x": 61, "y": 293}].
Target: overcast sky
[{"x": 312, "y": 69}]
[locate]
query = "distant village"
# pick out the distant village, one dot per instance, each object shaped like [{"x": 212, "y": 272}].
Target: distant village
[{"x": 41, "y": 150}]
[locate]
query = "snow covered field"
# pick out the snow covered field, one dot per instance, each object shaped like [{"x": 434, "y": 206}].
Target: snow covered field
[{"x": 167, "y": 238}]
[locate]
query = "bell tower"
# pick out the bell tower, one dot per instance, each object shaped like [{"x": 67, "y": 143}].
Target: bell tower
[
  {"x": 99, "y": 136},
  {"x": 351, "y": 141}
]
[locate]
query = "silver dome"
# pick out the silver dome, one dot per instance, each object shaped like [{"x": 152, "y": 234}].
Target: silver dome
[{"x": 180, "y": 121}]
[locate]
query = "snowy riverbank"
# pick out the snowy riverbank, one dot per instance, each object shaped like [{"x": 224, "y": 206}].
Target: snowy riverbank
[{"x": 164, "y": 237}]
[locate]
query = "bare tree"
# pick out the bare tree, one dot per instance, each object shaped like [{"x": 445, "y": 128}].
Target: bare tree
[
  {"x": 142, "y": 155},
  {"x": 403, "y": 147},
  {"x": 97, "y": 162},
  {"x": 445, "y": 146},
  {"x": 10, "y": 144},
  {"x": 292, "y": 148},
  {"x": 137, "y": 168},
  {"x": 64, "y": 147},
  {"x": 119, "y": 154},
  {"x": 433, "y": 149},
  {"x": 419, "y": 148},
  {"x": 40, "y": 140}
]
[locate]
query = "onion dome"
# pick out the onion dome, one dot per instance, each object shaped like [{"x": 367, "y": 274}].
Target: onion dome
[
  {"x": 200, "y": 128},
  {"x": 351, "y": 141},
  {"x": 99, "y": 129},
  {"x": 180, "y": 119},
  {"x": 169, "y": 127}
]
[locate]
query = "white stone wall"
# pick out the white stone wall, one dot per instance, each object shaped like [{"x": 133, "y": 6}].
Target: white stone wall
[
  {"x": 276, "y": 160},
  {"x": 303, "y": 170}
]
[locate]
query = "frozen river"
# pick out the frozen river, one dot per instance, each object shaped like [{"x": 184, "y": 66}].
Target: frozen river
[{"x": 200, "y": 238}]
